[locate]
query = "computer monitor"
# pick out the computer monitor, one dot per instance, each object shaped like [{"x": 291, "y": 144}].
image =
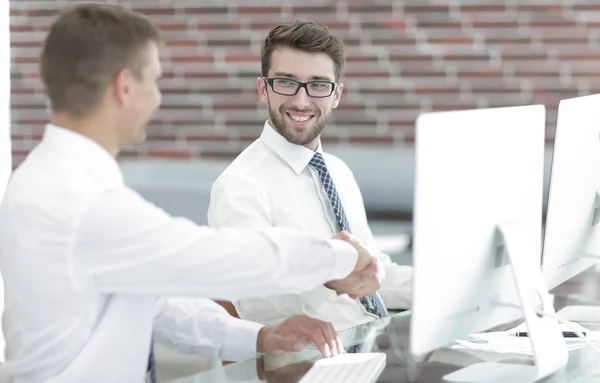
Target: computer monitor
[
  {"x": 477, "y": 235},
  {"x": 571, "y": 238}
]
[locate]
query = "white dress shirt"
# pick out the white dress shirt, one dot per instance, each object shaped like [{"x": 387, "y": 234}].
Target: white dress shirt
[
  {"x": 85, "y": 258},
  {"x": 270, "y": 184}
]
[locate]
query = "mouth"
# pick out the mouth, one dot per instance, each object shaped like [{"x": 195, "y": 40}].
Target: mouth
[{"x": 300, "y": 118}]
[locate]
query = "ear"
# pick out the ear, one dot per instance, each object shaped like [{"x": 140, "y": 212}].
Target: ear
[
  {"x": 123, "y": 86},
  {"x": 337, "y": 95},
  {"x": 261, "y": 87}
]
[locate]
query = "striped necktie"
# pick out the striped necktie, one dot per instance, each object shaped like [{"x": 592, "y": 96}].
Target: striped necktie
[{"x": 373, "y": 303}]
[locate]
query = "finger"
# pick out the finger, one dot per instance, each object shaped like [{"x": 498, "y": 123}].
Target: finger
[
  {"x": 344, "y": 235},
  {"x": 330, "y": 336},
  {"x": 316, "y": 335},
  {"x": 363, "y": 260},
  {"x": 367, "y": 273},
  {"x": 374, "y": 262},
  {"x": 339, "y": 345}
]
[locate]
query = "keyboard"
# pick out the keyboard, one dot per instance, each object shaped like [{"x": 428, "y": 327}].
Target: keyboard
[{"x": 346, "y": 368}]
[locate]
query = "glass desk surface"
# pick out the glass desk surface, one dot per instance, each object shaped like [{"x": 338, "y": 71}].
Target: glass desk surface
[{"x": 391, "y": 336}]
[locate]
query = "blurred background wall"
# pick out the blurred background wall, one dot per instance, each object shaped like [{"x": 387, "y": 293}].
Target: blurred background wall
[{"x": 404, "y": 57}]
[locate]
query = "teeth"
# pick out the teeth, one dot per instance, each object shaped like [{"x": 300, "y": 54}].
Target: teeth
[{"x": 300, "y": 118}]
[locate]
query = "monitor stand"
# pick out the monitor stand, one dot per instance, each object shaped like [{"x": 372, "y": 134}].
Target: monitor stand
[
  {"x": 587, "y": 313},
  {"x": 549, "y": 349}
]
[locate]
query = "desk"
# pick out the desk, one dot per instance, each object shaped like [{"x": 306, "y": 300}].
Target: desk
[{"x": 391, "y": 335}]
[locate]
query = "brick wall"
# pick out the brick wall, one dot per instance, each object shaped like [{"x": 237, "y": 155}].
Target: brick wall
[{"x": 404, "y": 57}]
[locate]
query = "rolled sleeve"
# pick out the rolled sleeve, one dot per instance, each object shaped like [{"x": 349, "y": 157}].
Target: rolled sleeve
[
  {"x": 240, "y": 339},
  {"x": 201, "y": 327}
]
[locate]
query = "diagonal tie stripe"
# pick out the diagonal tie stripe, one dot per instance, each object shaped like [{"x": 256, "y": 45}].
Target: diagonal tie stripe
[
  {"x": 373, "y": 304},
  {"x": 318, "y": 163}
]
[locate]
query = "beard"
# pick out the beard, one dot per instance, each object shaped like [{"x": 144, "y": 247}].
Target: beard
[{"x": 298, "y": 136}]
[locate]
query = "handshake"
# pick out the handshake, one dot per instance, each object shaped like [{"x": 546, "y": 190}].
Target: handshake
[{"x": 363, "y": 281}]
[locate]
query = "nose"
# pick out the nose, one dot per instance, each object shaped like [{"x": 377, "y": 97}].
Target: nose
[{"x": 301, "y": 100}]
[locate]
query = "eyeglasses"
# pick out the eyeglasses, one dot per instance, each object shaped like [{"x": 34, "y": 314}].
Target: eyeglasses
[{"x": 288, "y": 87}]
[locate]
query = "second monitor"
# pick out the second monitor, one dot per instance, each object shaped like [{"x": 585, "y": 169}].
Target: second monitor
[{"x": 477, "y": 235}]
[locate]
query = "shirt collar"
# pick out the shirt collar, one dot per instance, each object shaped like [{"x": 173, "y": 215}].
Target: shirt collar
[
  {"x": 296, "y": 156},
  {"x": 83, "y": 152}
]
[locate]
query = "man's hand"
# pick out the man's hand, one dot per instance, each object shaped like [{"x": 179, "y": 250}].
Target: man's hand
[
  {"x": 364, "y": 258},
  {"x": 358, "y": 284},
  {"x": 296, "y": 332},
  {"x": 363, "y": 281}
]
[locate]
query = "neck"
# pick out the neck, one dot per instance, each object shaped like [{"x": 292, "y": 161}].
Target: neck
[
  {"x": 93, "y": 128},
  {"x": 313, "y": 145}
]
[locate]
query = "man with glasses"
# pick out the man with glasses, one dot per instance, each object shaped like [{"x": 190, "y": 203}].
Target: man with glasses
[
  {"x": 285, "y": 179},
  {"x": 92, "y": 271}
]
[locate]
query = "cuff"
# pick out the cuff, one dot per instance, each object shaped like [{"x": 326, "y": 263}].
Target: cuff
[
  {"x": 240, "y": 340},
  {"x": 345, "y": 257}
]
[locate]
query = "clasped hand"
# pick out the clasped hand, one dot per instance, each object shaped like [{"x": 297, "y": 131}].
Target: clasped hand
[{"x": 363, "y": 281}]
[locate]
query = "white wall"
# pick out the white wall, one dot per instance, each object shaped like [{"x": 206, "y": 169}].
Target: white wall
[{"x": 5, "y": 154}]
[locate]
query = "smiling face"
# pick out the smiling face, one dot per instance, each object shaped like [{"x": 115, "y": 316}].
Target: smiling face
[{"x": 299, "y": 118}]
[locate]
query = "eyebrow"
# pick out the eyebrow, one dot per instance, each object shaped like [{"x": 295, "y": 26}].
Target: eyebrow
[{"x": 312, "y": 78}]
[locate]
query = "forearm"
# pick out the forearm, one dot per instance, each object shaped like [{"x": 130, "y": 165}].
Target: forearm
[
  {"x": 146, "y": 251},
  {"x": 201, "y": 327}
]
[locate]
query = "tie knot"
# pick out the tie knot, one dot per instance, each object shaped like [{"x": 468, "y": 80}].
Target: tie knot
[{"x": 317, "y": 162}]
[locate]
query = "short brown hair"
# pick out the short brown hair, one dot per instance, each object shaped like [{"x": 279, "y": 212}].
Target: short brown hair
[
  {"x": 86, "y": 46},
  {"x": 307, "y": 36}
]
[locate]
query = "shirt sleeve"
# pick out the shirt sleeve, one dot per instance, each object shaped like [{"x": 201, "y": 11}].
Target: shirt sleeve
[
  {"x": 201, "y": 327},
  {"x": 124, "y": 244},
  {"x": 238, "y": 202}
]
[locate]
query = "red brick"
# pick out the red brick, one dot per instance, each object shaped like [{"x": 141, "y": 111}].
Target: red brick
[
  {"x": 26, "y": 44},
  {"x": 482, "y": 8},
  {"x": 196, "y": 135},
  {"x": 155, "y": 11},
  {"x": 182, "y": 153},
  {"x": 242, "y": 58},
  {"x": 192, "y": 59},
  {"x": 23, "y": 28},
  {"x": 214, "y": 43},
  {"x": 487, "y": 25},
  {"x": 199, "y": 10},
  {"x": 378, "y": 74},
  {"x": 258, "y": 10},
  {"x": 539, "y": 8},
  {"x": 371, "y": 8},
  {"x": 158, "y": 135},
  {"x": 40, "y": 12},
  {"x": 457, "y": 74},
  {"x": 324, "y": 9},
  {"x": 386, "y": 23},
  {"x": 128, "y": 154},
  {"x": 427, "y": 9}
]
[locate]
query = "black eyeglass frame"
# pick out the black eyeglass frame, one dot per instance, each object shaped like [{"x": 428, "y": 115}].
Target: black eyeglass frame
[{"x": 270, "y": 80}]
